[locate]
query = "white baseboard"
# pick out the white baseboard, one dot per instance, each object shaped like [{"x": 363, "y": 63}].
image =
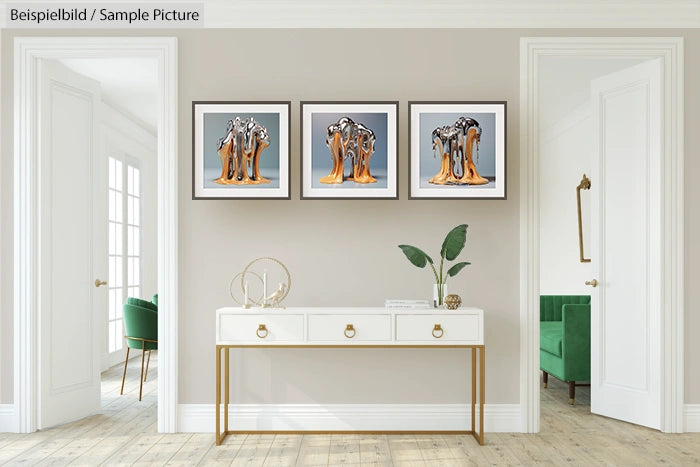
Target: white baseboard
[
  {"x": 8, "y": 418},
  {"x": 201, "y": 418},
  {"x": 691, "y": 414}
]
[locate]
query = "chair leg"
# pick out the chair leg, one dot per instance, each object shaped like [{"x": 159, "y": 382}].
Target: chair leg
[
  {"x": 148, "y": 360},
  {"x": 124, "y": 376},
  {"x": 572, "y": 391},
  {"x": 143, "y": 354},
  {"x": 545, "y": 378}
]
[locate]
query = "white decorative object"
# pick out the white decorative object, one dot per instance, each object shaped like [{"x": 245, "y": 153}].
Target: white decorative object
[{"x": 274, "y": 298}]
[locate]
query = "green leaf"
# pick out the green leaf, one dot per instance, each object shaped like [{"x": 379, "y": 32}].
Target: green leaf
[
  {"x": 456, "y": 268},
  {"x": 416, "y": 255},
  {"x": 454, "y": 242}
]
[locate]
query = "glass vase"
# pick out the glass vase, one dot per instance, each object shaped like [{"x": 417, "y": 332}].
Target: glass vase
[{"x": 439, "y": 294}]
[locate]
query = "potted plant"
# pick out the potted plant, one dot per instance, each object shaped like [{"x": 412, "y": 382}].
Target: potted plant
[{"x": 451, "y": 248}]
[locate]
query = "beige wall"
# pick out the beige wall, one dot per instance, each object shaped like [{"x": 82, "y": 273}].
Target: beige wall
[{"x": 344, "y": 252}]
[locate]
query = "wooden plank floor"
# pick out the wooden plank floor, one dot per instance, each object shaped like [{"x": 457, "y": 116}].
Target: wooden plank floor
[{"x": 125, "y": 433}]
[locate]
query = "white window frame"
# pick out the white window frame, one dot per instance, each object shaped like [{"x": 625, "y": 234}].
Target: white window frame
[{"x": 113, "y": 357}]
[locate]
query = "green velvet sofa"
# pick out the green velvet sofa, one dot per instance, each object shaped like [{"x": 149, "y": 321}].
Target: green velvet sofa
[{"x": 565, "y": 339}]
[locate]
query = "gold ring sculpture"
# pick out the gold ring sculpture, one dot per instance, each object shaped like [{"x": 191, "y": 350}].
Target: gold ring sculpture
[{"x": 275, "y": 298}]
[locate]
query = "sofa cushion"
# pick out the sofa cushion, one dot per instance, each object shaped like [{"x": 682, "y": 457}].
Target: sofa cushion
[{"x": 550, "y": 337}]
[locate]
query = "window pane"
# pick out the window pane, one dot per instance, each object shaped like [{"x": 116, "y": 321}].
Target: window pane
[
  {"x": 112, "y": 271},
  {"x": 130, "y": 209},
  {"x": 130, "y": 241},
  {"x": 130, "y": 269},
  {"x": 130, "y": 180},
  {"x": 137, "y": 182},
  {"x": 118, "y": 208},
  {"x": 112, "y": 305},
  {"x": 137, "y": 271},
  {"x": 137, "y": 241},
  {"x": 119, "y": 239},
  {"x": 118, "y": 174},
  {"x": 118, "y": 272},
  {"x": 111, "y": 173},
  {"x": 112, "y": 234},
  {"x": 112, "y": 206},
  {"x": 137, "y": 211}
]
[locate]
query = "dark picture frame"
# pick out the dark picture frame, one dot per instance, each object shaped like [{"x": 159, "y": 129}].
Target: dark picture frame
[
  {"x": 377, "y": 178},
  {"x": 272, "y": 163},
  {"x": 457, "y": 150}
]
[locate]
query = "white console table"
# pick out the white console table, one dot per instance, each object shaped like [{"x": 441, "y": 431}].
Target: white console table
[{"x": 349, "y": 328}]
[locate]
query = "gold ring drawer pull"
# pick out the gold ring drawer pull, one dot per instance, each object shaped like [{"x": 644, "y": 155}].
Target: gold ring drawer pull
[
  {"x": 349, "y": 329},
  {"x": 262, "y": 329},
  {"x": 438, "y": 329}
]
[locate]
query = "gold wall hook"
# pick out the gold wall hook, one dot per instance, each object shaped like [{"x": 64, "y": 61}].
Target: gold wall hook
[
  {"x": 99, "y": 282},
  {"x": 592, "y": 283},
  {"x": 584, "y": 185}
]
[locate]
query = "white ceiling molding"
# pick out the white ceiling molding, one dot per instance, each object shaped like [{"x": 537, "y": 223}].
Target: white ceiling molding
[{"x": 439, "y": 13}]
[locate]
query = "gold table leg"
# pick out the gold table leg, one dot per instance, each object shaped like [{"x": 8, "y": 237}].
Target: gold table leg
[
  {"x": 218, "y": 395},
  {"x": 226, "y": 390},
  {"x": 473, "y": 388},
  {"x": 482, "y": 383}
]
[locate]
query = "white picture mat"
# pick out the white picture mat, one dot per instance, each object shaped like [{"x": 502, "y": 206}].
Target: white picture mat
[
  {"x": 454, "y": 192},
  {"x": 248, "y": 192},
  {"x": 390, "y": 191}
]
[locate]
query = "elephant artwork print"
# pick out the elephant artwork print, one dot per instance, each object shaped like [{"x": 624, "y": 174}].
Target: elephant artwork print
[
  {"x": 349, "y": 150},
  {"x": 457, "y": 150},
  {"x": 240, "y": 150}
]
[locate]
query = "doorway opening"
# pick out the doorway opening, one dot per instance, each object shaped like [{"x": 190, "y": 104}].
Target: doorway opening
[
  {"x": 567, "y": 136},
  {"x": 84, "y": 112},
  {"x": 665, "y": 289}
]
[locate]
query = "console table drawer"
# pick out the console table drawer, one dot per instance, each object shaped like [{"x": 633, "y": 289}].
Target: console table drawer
[
  {"x": 349, "y": 328},
  {"x": 261, "y": 328},
  {"x": 439, "y": 328}
]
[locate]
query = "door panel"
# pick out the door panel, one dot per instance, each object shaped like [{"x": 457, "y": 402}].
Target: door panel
[
  {"x": 625, "y": 308},
  {"x": 69, "y": 331}
]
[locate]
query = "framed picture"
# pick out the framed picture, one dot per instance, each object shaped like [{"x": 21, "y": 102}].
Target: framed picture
[
  {"x": 240, "y": 150},
  {"x": 349, "y": 150},
  {"x": 457, "y": 150}
]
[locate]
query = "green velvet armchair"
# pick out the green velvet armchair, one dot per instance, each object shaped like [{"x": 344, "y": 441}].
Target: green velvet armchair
[
  {"x": 141, "y": 326},
  {"x": 565, "y": 339}
]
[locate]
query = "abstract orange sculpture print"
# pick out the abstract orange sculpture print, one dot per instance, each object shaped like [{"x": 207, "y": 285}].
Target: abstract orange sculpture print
[
  {"x": 349, "y": 140},
  {"x": 239, "y": 151},
  {"x": 456, "y": 145}
]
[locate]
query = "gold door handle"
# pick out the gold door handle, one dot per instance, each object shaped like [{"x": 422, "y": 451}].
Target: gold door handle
[
  {"x": 99, "y": 282},
  {"x": 437, "y": 329},
  {"x": 349, "y": 328},
  {"x": 261, "y": 328},
  {"x": 592, "y": 283}
]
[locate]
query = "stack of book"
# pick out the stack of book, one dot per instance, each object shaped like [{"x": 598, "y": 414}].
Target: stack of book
[{"x": 407, "y": 304}]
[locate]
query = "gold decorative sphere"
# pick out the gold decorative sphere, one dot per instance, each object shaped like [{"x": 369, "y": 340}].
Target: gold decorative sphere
[{"x": 452, "y": 301}]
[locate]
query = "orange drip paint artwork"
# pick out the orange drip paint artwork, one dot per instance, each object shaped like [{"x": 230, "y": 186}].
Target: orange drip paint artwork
[
  {"x": 240, "y": 150},
  {"x": 456, "y": 145},
  {"x": 349, "y": 140}
]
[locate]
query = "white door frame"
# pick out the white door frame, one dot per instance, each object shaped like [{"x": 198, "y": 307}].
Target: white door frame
[
  {"x": 670, "y": 51},
  {"x": 27, "y": 257}
]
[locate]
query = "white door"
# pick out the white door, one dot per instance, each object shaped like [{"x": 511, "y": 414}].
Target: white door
[
  {"x": 73, "y": 240},
  {"x": 625, "y": 245}
]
